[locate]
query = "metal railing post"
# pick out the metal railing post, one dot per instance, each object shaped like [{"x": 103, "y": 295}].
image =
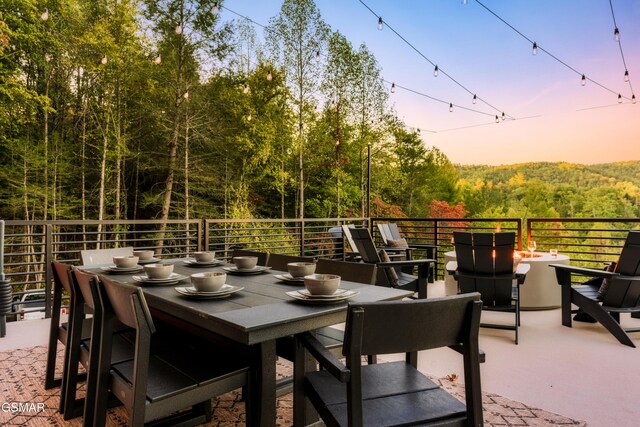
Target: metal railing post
[
  {"x": 203, "y": 245},
  {"x": 47, "y": 269},
  {"x": 302, "y": 244}
]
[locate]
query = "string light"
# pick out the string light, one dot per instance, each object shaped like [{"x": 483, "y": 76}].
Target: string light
[
  {"x": 583, "y": 80},
  {"x": 503, "y": 116},
  {"x": 475, "y": 99},
  {"x": 380, "y": 23},
  {"x": 435, "y": 71},
  {"x": 393, "y": 88},
  {"x": 158, "y": 59},
  {"x": 626, "y": 75},
  {"x": 497, "y": 119},
  {"x": 451, "y": 107},
  {"x": 45, "y": 15},
  {"x": 534, "y": 50},
  {"x": 633, "y": 99},
  {"x": 178, "y": 29},
  {"x": 269, "y": 76},
  {"x": 317, "y": 56},
  {"x": 616, "y": 33},
  {"x": 104, "y": 60},
  {"x": 214, "y": 9},
  {"x": 246, "y": 88},
  {"x": 619, "y": 99}
]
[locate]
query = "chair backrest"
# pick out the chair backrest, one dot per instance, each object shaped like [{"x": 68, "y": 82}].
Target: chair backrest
[
  {"x": 626, "y": 293},
  {"x": 367, "y": 249},
  {"x": 263, "y": 257},
  {"x": 83, "y": 281},
  {"x": 485, "y": 264},
  {"x": 103, "y": 256},
  {"x": 394, "y": 231},
  {"x": 128, "y": 304},
  {"x": 280, "y": 261},
  {"x": 61, "y": 277},
  {"x": 369, "y": 331},
  {"x": 346, "y": 232},
  {"x": 351, "y": 271},
  {"x": 385, "y": 232}
]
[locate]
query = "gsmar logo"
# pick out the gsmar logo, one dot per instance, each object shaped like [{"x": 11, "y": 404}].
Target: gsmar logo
[{"x": 22, "y": 407}]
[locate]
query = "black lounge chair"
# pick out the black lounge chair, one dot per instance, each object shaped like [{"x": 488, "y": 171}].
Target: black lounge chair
[{"x": 622, "y": 295}]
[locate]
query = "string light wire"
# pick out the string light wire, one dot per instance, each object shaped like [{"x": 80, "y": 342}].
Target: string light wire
[{"x": 624, "y": 62}]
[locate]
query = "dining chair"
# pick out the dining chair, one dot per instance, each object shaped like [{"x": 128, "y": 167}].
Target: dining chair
[
  {"x": 394, "y": 393},
  {"x": 103, "y": 256},
  {"x": 60, "y": 331},
  {"x": 485, "y": 264},
  {"x": 155, "y": 386},
  {"x": 396, "y": 274},
  {"x": 263, "y": 257},
  {"x": 279, "y": 261}
]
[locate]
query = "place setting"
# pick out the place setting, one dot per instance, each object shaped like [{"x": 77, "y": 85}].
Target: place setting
[
  {"x": 203, "y": 259},
  {"x": 160, "y": 274},
  {"x": 209, "y": 285},
  {"x": 245, "y": 265},
  {"x": 145, "y": 256},
  {"x": 123, "y": 265},
  {"x": 322, "y": 289},
  {"x": 296, "y": 273}
]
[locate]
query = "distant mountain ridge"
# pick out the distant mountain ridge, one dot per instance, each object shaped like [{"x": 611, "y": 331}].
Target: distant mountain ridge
[{"x": 604, "y": 174}]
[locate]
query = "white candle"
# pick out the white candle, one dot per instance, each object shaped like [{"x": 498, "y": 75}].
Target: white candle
[{"x": 1, "y": 249}]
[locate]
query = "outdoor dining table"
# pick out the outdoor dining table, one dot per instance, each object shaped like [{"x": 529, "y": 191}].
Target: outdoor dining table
[{"x": 256, "y": 317}]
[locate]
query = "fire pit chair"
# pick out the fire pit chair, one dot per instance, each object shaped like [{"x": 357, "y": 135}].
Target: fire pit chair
[
  {"x": 393, "y": 240},
  {"x": 610, "y": 294},
  {"x": 394, "y": 393},
  {"x": 485, "y": 264}
]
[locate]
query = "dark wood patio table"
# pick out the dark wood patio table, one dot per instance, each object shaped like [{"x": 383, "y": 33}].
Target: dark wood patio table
[{"x": 255, "y": 317}]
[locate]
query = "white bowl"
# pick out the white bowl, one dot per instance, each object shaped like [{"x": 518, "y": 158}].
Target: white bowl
[
  {"x": 204, "y": 256},
  {"x": 158, "y": 271},
  {"x": 144, "y": 255},
  {"x": 301, "y": 269},
  {"x": 209, "y": 281},
  {"x": 245, "y": 262},
  {"x": 322, "y": 284},
  {"x": 125, "y": 261}
]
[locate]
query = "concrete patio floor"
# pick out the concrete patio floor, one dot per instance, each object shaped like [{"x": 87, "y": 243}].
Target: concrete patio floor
[{"x": 582, "y": 373}]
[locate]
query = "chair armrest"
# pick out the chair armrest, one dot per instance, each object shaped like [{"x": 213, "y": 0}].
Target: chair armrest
[
  {"x": 422, "y": 246},
  {"x": 482, "y": 356},
  {"x": 583, "y": 271},
  {"x": 629, "y": 278},
  {"x": 325, "y": 358},
  {"x": 406, "y": 263}
]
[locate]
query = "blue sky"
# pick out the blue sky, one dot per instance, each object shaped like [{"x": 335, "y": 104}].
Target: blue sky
[{"x": 556, "y": 118}]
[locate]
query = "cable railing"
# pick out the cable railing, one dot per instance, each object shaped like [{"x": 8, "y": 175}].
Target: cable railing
[{"x": 30, "y": 246}]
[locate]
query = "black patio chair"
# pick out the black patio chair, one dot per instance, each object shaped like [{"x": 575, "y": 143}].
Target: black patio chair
[
  {"x": 485, "y": 264},
  {"x": 153, "y": 387},
  {"x": 280, "y": 261},
  {"x": 394, "y": 393},
  {"x": 397, "y": 274},
  {"x": 393, "y": 241},
  {"x": 620, "y": 293}
]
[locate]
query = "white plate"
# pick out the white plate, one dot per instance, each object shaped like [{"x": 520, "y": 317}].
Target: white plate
[
  {"x": 193, "y": 263},
  {"x": 287, "y": 278},
  {"x": 256, "y": 270},
  {"x": 226, "y": 290},
  {"x": 118, "y": 270},
  {"x": 339, "y": 293},
  {"x": 149, "y": 261},
  {"x": 173, "y": 279},
  {"x": 328, "y": 298}
]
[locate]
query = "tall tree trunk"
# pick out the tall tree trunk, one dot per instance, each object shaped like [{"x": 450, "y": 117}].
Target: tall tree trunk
[
  {"x": 45, "y": 131},
  {"x": 103, "y": 178},
  {"x": 83, "y": 172}
]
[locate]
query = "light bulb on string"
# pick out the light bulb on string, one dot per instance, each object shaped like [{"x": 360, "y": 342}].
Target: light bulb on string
[
  {"x": 214, "y": 9},
  {"x": 475, "y": 98},
  {"x": 158, "y": 60},
  {"x": 616, "y": 33},
  {"x": 626, "y": 75},
  {"x": 393, "y": 88},
  {"x": 619, "y": 99},
  {"x": 178, "y": 29},
  {"x": 583, "y": 80},
  {"x": 269, "y": 76},
  {"x": 633, "y": 99},
  {"x": 246, "y": 88},
  {"x": 45, "y": 15},
  {"x": 380, "y": 23},
  {"x": 435, "y": 71},
  {"x": 534, "y": 49},
  {"x": 497, "y": 119},
  {"x": 451, "y": 107},
  {"x": 104, "y": 60},
  {"x": 503, "y": 116},
  {"x": 317, "y": 56}
]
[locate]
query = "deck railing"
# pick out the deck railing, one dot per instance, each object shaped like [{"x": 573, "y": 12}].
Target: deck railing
[{"x": 31, "y": 245}]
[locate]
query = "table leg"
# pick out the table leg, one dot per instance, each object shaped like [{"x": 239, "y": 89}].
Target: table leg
[
  {"x": 261, "y": 404},
  {"x": 303, "y": 411}
]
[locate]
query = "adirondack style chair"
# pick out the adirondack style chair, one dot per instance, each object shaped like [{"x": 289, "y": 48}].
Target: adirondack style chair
[
  {"x": 622, "y": 294},
  {"x": 393, "y": 240}
]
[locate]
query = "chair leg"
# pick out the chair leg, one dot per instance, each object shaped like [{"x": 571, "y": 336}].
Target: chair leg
[{"x": 595, "y": 310}]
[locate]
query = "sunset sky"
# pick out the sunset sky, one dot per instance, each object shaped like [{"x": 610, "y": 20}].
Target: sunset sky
[{"x": 556, "y": 118}]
